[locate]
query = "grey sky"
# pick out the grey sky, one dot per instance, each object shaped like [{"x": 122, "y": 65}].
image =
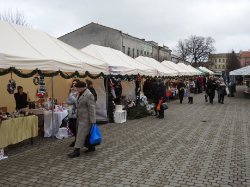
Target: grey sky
[{"x": 163, "y": 21}]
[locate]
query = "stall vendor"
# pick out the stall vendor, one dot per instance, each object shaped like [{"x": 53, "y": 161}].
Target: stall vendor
[{"x": 21, "y": 98}]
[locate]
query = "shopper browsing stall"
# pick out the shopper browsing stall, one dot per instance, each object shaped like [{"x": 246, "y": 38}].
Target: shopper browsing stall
[
  {"x": 91, "y": 88},
  {"x": 181, "y": 89}
]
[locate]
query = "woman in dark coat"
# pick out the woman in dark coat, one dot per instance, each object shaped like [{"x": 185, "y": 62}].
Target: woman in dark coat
[
  {"x": 147, "y": 88},
  {"x": 118, "y": 93},
  {"x": 181, "y": 89},
  {"x": 211, "y": 87},
  {"x": 161, "y": 95},
  {"x": 154, "y": 94},
  {"x": 86, "y": 117}
]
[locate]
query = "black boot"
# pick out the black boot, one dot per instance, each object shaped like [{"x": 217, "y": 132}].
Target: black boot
[
  {"x": 222, "y": 101},
  {"x": 75, "y": 153},
  {"x": 72, "y": 144},
  {"x": 189, "y": 100},
  {"x": 92, "y": 149},
  {"x": 156, "y": 113}
]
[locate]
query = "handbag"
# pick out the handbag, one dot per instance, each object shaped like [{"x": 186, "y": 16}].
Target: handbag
[
  {"x": 224, "y": 92},
  {"x": 192, "y": 90},
  {"x": 164, "y": 106},
  {"x": 87, "y": 142}
]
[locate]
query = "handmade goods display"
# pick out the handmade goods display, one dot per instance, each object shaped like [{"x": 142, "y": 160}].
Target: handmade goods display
[
  {"x": 42, "y": 89},
  {"x": 11, "y": 86}
]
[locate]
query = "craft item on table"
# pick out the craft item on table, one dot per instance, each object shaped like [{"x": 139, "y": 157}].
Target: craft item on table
[
  {"x": 118, "y": 108},
  {"x": 42, "y": 89},
  {"x": 36, "y": 80},
  {"x": 11, "y": 86}
]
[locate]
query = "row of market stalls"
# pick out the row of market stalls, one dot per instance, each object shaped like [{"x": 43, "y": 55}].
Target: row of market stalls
[{"x": 25, "y": 53}]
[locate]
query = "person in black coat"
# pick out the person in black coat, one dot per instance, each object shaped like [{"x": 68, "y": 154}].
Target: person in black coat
[
  {"x": 204, "y": 83},
  {"x": 91, "y": 88},
  {"x": 154, "y": 94},
  {"x": 161, "y": 95},
  {"x": 118, "y": 93},
  {"x": 181, "y": 89},
  {"x": 211, "y": 87},
  {"x": 147, "y": 88},
  {"x": 21, "y": 98}
]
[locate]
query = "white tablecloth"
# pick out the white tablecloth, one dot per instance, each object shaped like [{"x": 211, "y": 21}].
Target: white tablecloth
[
  {"x": 36, "y": 111},
  {"x": 58, "y": 117}
]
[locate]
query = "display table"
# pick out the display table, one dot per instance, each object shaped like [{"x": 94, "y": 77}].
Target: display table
[
  {"x": 58, "y": 117},
  {"x": 18, "y": 129},
  {"x": 35, "y": 111}
]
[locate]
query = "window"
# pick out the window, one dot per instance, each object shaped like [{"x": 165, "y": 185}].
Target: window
[
  {"x": 219, "y": 66},
  {"x": 123, "y": 49},
  {"x": 223, "y": 67},
  {"x": 219, "y": 60},
  {"x": 215, "y": 67},
  {"x": 137, "y": 52},
  {"x": 145, "y": 53},
  {"x": 215, "y": 60},
  {"x": 227, "y": 60},
  {"x": 141, "y": 53},
  {"x": 133, "y": 53},
  {"x": 128, "y": 51},
  {"x": 223, "y": 60}
]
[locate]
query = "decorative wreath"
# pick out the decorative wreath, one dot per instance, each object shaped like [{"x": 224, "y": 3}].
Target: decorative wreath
[
  {"x": 36, "y": 81},
  {"x": 11, "y": 86}
]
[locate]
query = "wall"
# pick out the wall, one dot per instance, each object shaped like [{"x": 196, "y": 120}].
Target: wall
[
  {"x": 93, "y": 34},
  {"x": 136, "y": 44}
]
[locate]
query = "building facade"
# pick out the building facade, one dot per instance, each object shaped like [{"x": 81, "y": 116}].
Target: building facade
[
  {"x": 245, "y": 58},
  {"x": 97, "y": 34}
]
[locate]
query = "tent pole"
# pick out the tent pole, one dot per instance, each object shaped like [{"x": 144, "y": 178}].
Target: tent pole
[
  {"x": 107, "y": 98},
  {"x": 52, "y": 87}
]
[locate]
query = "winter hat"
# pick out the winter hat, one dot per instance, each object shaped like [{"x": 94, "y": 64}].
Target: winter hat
[
  {"x": 89, "y": 82},
  {"x": 80, "y": 85},
  {"x": 221, "y": 79}
]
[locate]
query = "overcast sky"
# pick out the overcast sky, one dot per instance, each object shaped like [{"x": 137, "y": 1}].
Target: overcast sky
[{"x": 163, "y": 21}]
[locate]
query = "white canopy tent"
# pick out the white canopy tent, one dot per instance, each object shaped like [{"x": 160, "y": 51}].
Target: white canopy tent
[
  {"x": 118, "y": 61},
  {"x": 161, "y": 69},
  {"x": 173, "y": 66},
  {"x": 241, "y": 71},
  {"x": 28, "y": 49},
  {"x": 188, "y": 68},
  {"x": 194, "y": 69},
  {"x": 207, "y": 70}
]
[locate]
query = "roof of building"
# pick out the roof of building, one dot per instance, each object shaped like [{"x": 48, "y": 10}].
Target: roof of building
[
  {"x": 245, "y": 54},
  {"x": 221, "y": 55}
]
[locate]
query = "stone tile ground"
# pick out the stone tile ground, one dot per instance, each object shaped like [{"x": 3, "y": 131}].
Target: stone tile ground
[{"x": 195, "y": 145}]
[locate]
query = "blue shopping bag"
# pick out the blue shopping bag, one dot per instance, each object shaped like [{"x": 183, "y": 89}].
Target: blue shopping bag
[
  {"x": 185, "y": 95},
  {"x": 95, "y": 137}
]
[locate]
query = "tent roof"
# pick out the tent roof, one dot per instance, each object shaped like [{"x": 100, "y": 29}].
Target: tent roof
[
  {"x": 207, "y": 70},
  {"x": 26, "y": 48},
  {"x": 175, "y": 67},
  {"x": 160, "y": 68},
  {"x": 119, "y": 60},
  {"x": 241, "y": 71},
  {"x": 190, "y": 69}
]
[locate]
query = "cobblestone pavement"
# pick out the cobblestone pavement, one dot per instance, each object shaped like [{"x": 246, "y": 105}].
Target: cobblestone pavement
[{"x": 195, "y": 145}]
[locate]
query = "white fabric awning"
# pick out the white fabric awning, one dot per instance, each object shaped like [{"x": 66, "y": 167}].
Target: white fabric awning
[
  {"x": 160, "y": 68},
  {"x": 207, "y": 70},
  {"x": 192, "y": 70},
  {"x": 241, "y": 71},
  {"x": 173, "y": 66},
  {"x": 27, "y": 49},
  {"x": 119, "y": 62}
]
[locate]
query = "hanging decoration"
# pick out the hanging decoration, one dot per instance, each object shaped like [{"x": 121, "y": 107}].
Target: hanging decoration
[
  {"x": 11, "y": 86},
  {"x": 42, "y": 89},
  {"x": 36, "y": 80}
]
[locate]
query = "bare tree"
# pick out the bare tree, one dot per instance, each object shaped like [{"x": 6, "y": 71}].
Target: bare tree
[
  {"x": 182, "y": 49},
  {"x": 196, "y": 49},
  {"x": 233, "y": 61},
  {"x": 15, "y": 16}
]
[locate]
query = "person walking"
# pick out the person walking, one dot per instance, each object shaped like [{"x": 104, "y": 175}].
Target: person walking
[
  {"x": 211, "y": 87},
  {"x": 190, "y": 90},
  {"x": 86, "y": 117},
  {"x": 222, "y": 90},
  {"x": 71, "y": 101},
  {"x": 91, "y": 88},
  {"x": 161, "y": 95},
  {"x": 154, "y": 94},
  {"x": 201, "y": 84},
  {"x": 204, "y": 83},
  {"x": 218, "y": 92},
  {"x": 181, "y": 89}
]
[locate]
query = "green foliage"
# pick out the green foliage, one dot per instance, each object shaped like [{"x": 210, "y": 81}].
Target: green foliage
[{"x": 137, "y": 112}]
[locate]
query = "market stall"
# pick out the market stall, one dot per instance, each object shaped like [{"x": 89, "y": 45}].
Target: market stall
[
  {"x": 31, "y": 53},
  {"x": 207, "y": 70},
  {"x": 181, "y": 71},
  {"x": 189, "y": 69}
]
